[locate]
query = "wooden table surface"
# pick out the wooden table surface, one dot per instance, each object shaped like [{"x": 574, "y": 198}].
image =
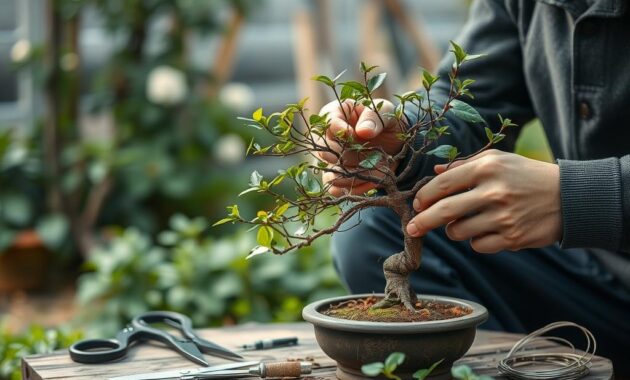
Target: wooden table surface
[{"x": 488, "y": 349}]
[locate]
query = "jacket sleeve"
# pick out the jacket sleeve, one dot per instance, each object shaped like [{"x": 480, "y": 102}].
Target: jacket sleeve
[
  {"x": 596, "y": 203},
  {"x": 499, "y": 86}
]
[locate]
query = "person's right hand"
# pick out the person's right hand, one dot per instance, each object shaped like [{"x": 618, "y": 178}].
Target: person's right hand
[{"x": 363, "y": 125}]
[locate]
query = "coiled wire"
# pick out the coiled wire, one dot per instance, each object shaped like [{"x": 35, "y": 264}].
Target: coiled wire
[{"x": 520, "y": 365}]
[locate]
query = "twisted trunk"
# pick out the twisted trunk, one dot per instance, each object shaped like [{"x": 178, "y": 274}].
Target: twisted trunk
[{"x": 399, "y": 266}]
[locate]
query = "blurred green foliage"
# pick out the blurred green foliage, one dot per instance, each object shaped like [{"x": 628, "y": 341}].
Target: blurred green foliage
[
  {"x": 532, "y": 142},
  {"x": 35, "y": 340},
  {"x": 21, "y": 196},
  {"x": 204, "y": 277}
]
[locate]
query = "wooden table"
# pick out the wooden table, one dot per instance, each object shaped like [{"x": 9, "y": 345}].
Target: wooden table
[{"x": 488, "y": 349}]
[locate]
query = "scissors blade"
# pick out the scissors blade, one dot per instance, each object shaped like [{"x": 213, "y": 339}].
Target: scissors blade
[
  {"x": 216, "y": 350},
  {"x": 177, "y": 374},
  {"x": 189, "y": 349},
  {"x": 174, "y": 374}
]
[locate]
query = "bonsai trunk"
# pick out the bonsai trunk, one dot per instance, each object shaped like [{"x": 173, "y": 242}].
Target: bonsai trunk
[{"x": 399, "y": 266}]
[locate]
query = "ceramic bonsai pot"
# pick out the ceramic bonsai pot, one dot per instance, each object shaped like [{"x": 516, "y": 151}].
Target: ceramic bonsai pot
[{"x": 355, "y": 343}]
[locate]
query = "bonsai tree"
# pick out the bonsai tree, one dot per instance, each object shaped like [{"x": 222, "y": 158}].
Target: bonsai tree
[{"x": 290, "y": 223}]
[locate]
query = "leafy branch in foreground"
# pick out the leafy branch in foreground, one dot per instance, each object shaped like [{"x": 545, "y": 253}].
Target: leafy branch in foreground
[
  {"x": 395, "y": 359},
  {"x": 290, "y": 223}
]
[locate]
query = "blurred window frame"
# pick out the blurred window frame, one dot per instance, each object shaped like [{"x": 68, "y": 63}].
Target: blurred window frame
[{"x": 22, "y": 113}]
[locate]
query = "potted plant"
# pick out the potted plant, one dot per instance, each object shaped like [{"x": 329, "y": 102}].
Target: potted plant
[{"x": 359, "y": 329}]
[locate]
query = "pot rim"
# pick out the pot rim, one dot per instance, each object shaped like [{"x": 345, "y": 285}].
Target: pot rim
[{"x": 479, "y": 315}]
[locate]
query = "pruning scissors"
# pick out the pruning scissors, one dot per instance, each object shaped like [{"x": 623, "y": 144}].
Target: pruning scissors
[{"x": 189, "y": 345}]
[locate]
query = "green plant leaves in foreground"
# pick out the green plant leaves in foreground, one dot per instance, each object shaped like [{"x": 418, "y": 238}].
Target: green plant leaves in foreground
[{"x": 465, "y": 112}]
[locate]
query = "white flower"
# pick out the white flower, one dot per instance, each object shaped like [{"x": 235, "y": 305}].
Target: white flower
[
  {"x": 229, "y": 149},
  {"x": 166, "y": 86},
  {"x": 20, "y": 51},
  {"x": 237, "y": 96}
]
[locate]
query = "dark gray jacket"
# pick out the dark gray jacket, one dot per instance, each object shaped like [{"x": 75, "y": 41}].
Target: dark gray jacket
[{"x": 566, "y": 62}]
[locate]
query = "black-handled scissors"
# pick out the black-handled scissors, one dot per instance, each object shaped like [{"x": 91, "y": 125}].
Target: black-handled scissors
[{"x": 190, "y": 346}]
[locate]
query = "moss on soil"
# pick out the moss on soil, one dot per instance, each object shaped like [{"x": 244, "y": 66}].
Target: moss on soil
[{"x": 362, "y": 309}]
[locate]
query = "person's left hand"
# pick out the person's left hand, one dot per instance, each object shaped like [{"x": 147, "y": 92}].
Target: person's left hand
[{"x": 500, "y": 201}]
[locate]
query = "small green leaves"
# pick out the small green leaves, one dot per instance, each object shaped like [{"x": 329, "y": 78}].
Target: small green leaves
[
  {"x": 465, "y": 111},
  {"x": 255, "y": 178},
  {"x": 459, "y": 53},
  {"x": 371, "y": 160},
  {"x": 372, "y": 369},
  {"x": 233, "y": 211},
  {"x": 444, "y": 151},
  {"x": 354, "y": 85},
  {"x": 311, "y": 185},
  {"x": 265, "y": 236},
  {"x": 366, "y": 69},
  {"x": 387, "y": 369},
  {"x": 223, "y": 221},
  {"x": 257, "y": 250},
  {"x": 464, "y": 372},
  {"x": 325, "y": 80},
  {"x": 424, "y": 373},
  {"x": 428, "y": 79},
  {"x": 393, "y": 361},
  {"x": 376, "y": 81},
  {"x": 489, "y": 134},
  {"x": 282, "y": 209},
  {"x": 461, "y": 56},
  {"x": 494, "y": 137}
]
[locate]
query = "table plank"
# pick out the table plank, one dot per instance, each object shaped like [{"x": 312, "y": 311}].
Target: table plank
[{"x": 487, "y": 350}]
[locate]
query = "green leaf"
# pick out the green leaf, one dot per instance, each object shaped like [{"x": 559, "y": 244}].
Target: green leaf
[
  {"x": 423, "y": 373},
  {"x": 222, "y": 221},
  {"x": 257, "y": 250},
  {"x": 265, "y": 236},
  {"x": 497, "y": 137},
  {"x": 366, "y": 69},
  {"x": 255, "y": 178},
  {"x": 371, "y": 160},
  {"x": 372, "y": 369},
  {"x": 258, "y": 114},
  {"x": 393, "y": 361},
  {"x": 376, "y": 81},
  {"x": 233, "y": 211},
  {"x": 282, "y": 209},
  {"x": 442, "y": 151},
  {"x": 459, "y": 53},
  {"x": 355, "y": 86},
  {"x": 428, "y": 79},
  {"x": 462, "y": 372},
  {"x": 310, "y": 184},
  {"x": 489, "y": 134},
  {"x": 465, "y": 111},
  {"x": 325, "y": 80},
  {"x": 470, "y": 57},
  {"x": 247, "y": 191}
]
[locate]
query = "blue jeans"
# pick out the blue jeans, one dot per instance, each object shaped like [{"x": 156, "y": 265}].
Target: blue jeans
[{"x": 523, "y": 290}]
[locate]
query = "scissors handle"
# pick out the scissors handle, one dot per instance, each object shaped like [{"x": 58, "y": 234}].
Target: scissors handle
[{"x": 92, "y": 351}]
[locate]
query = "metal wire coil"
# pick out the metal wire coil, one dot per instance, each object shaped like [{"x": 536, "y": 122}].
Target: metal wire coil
[{"x": 520, "y": 365}]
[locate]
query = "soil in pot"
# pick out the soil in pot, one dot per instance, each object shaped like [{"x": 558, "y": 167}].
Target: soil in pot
[{"x": 360, "y": 309}]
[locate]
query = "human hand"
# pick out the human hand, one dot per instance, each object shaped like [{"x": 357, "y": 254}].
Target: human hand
[
  {"x": 362, "y": 125},
  {"x": 500, "y": 201}
]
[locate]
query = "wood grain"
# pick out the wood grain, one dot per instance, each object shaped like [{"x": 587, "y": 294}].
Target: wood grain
[{"x": 487, "y": 350}]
